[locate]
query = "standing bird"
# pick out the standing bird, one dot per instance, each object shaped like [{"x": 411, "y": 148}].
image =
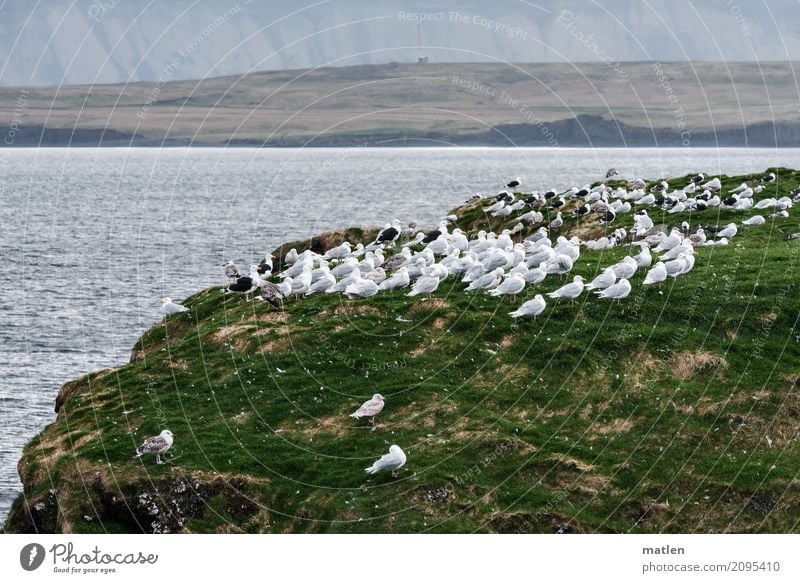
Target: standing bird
[
  {"x": 618, "y": 291},
  {"x": 729, "y": 231},
  {"x": 231, "y": 270},
  {"x": 265, "y": 267},
  {"x": 656, "y": 275},
  {"x": 246, "y": 284},
  {"x": 399, "y": 280},
  {"x": 570, "y": 290},
  {"x": 392, "y": 461},
  {"x": 272, "y": 293},
  {"x": 388, "y": 234},
  {"x": 169, "y": 307},
  {"x": 510, "y": 287},
  {"x": 370, "y": 409},
  {"x": 427, "y": 284},
  {"x": 604, "y": 280},
  {"x": 158, "y": 444},
  {"x": 531, "y": 308}
]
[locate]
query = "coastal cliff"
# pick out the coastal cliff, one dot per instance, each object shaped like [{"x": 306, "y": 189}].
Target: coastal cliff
[{"x": 676, "y": 410}]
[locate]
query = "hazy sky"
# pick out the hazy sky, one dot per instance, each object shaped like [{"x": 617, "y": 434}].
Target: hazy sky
[{"x": 99, "y": 41}]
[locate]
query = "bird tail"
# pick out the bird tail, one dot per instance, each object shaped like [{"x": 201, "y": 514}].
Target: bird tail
[
  {"x": 355, "y": 415},
  {"x": 370, "y": 470}
]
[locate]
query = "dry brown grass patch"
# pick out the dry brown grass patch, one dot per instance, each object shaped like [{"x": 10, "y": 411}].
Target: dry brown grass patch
[
  {"x": 571, "y": 462},
  {"x": 426, "y": 305},
  {"x": 643, "y": 368},
  {"x": 278, "y": 345},
  {"x": 350, "y": 308},
  {"x": 271, "y": 316},
  {"x": 612, "y": 427},
  {"x": 242, "y": 417},
  {"x": 506, "y": 373},
  {"x": 178, "y": 363},
  {"x": 686, "y": 365}
]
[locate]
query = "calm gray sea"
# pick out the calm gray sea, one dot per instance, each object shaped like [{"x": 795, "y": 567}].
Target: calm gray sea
[{"x": 91, "y": 239}]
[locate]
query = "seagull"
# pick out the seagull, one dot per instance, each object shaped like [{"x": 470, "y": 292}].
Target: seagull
[
  {"x": 644, "y": 259},
  {"x": 531, "y": 308},
  {"x": 324, "y": 283},
  {"x": 370, "y": 408},
  {"x": 570, "y": 290},
  {"x": 510, "y": 287},
  {"x": 291, "y": 257},
  {"x": 625, "y": 268},
  {"x": 662, "y": 186},
  {"x": 271, "y": 293},
  {"x": 339, "y": 252},
  {"x": 398, "y": 281},
  {"x": 678, "y": 266},
  {"x": 618, "y": 291},
  {"x": 656, "y": 275},
  {"x": 557, "y": 222},
  {"x": 672, "y": 240},
  {"x": 231, "y": 270},
  {"x": 361, "y": 288},
  {"x": 427, "y": 284},
  {"x": 608, "y": 217},
  {"x": 169, "y": 307},
  {"x": 265, "y": 267},
  {"x": 388, "y": 234},
  {"x": 377, "y": 275},
  {"x": 604, "y": 280},
  {"x": 728, "y": 232},
  {"x": 246, "y": 284},
  {"x": 487, "y": 281},
  {"x": 755, "y": 220},
  {"x": 392, "y": 461},
  {"x": 514, "y": 183},
  {"x": 537, "y": 274},
  {"x": 157, "y": 444},
  {"x": 396, "y": 261}
]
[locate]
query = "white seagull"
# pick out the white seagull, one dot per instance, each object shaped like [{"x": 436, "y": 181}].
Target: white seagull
[
  {"x": 570, "y": 290},
  {"x": 392, "y": 461},
  {"x": 656, "y": 275},
  {"x": 531, "y": 308},
  {"x": 370, "y": 408},
  {"x": 169, "y": 307}
]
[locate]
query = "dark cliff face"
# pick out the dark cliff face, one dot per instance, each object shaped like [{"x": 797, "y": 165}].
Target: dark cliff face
[{"x": 581, "y": 131}]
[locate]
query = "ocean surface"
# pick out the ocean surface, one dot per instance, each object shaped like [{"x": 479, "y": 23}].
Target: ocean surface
[{"x": 91, "y": 239}]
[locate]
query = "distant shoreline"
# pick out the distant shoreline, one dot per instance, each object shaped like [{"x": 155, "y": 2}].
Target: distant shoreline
[{"x": 583, "y": 131}]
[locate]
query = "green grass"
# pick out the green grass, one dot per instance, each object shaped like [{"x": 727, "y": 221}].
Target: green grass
[{"x": 647, "y": 416}]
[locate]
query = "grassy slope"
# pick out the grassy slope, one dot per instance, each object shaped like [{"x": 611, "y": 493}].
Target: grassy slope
[
  {"x": 647, "y": 416},
  {"x": 456, "y": 99}
]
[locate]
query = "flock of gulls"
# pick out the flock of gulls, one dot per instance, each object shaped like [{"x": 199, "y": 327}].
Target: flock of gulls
[{"x": 403, "y": 258}]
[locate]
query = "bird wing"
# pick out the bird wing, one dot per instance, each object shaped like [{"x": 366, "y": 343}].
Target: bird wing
[
  {"x": 370, "y": 408},
  {"x": 152, "y": 445},
  {"x": 386, "y": 462}
]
